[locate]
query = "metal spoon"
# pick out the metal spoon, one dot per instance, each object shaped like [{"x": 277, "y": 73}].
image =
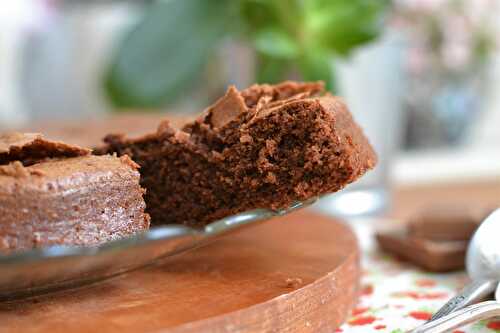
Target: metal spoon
[
  {"x": 467, "y": 315},
  {"x": 459, "y": 318},
  {"x": 483, "y": 266},
  {"x": 497, "y": 293}
]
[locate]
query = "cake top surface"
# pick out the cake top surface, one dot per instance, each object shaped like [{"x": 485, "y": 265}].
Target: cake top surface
[
  {"x": 31, "y": 148},
  {"x": 257, "y": 101},
  {"x": 65, "y": 173},
  {"x": 244, "y": 107},
  {"x": 31, "y": 159}
]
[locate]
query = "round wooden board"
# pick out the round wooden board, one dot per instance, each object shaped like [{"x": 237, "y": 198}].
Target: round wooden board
[{"x": 298, "y": 273}]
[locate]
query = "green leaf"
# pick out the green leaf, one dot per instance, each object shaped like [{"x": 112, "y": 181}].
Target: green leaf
[
  {"x": 316, "y": 65},
  {"x": 341, "y": 26},
  {"x": 271, "y": 70},
  {"x": 166, "y": 51},
  {"x": 276, "y": 43},
  {"x": 259, "y": 14},
  {"x": 295, "y": 29}
]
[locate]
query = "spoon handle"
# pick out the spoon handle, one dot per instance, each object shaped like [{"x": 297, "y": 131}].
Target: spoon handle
[
  {"x": 470, "y": 294},
  {"x": 459, "y": 318}
]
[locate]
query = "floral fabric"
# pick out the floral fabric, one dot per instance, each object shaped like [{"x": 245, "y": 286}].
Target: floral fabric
[{"x": 397, "y": 297}]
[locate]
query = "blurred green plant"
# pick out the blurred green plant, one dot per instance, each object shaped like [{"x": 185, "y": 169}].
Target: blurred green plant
[{"x": 167, "y": 50}]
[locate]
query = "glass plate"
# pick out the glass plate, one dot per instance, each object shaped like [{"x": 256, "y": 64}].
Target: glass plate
[{"x": 47, "y": 269}]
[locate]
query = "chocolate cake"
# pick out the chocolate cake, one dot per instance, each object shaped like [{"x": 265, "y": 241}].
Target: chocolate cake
[
  {"x": 52, "y": 193},
  {"x": 264, "y": 147}
]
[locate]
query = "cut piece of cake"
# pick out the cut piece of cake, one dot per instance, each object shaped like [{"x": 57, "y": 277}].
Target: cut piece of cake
[
  {"x": 264, "y": 147},
  {"x": 52, "y": 193}
]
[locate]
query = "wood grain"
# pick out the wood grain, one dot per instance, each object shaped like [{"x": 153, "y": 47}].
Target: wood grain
[{"x": 298, "y": 273}]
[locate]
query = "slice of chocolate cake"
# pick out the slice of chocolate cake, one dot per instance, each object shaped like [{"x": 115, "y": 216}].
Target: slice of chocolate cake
[
  {"x": 264, "y": 147},
  {"x": 52, "y": 193}
]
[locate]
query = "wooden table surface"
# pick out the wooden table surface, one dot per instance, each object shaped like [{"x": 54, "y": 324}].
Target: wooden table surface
[{"x": 409, "y": 199}]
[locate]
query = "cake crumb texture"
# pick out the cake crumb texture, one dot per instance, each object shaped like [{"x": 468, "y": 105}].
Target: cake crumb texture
[{"x": 264, "y": 147}]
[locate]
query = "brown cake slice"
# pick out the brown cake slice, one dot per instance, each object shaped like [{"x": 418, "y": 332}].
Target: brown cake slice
[
  {"x": 264, "y": 147},
  {"x": 52, "y": 193}
]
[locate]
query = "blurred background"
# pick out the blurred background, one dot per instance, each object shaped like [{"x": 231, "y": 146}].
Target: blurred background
[{"x": 421, "y": 76}]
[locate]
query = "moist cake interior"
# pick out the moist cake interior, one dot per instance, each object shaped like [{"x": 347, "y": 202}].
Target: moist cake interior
[{"x": 264, "y": 147}]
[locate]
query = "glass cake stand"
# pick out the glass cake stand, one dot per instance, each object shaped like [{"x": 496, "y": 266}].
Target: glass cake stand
[{"x": 43, "y": 270}]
